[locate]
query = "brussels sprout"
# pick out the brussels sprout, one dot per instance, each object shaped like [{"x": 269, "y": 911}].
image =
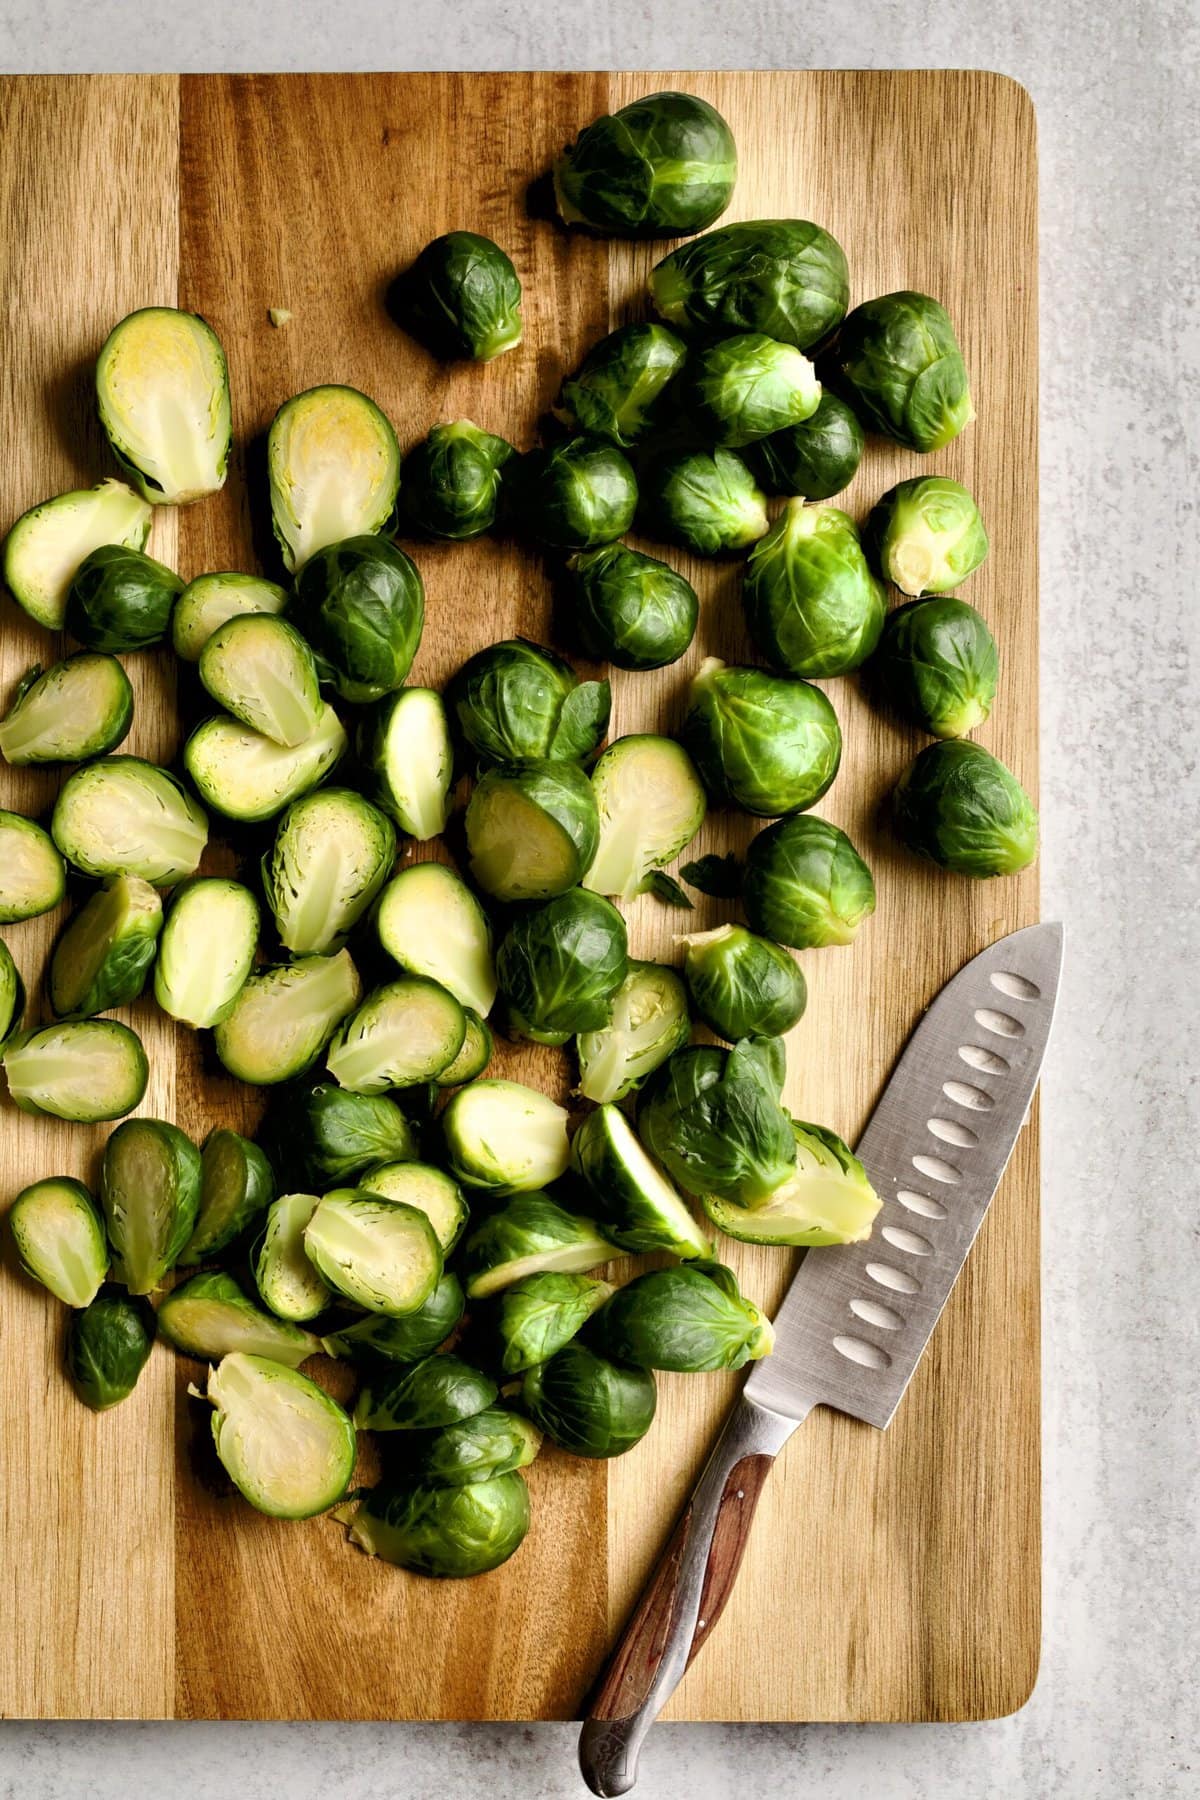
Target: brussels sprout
[
  {"x": 647, "y": 1023},
  {"x": 104, "y": 955},
  {"x": 806, "y": 884},
  {"x": 59, "y": 1237},
  {"x": 588, "y": 1405},
  {"x": 576, "y": 493},
  {"x": 120, "y": 599},
  {"x": 402, "y": 1034},
  {"x": 47, "y": 544},
  {"x": 245, "y": 776},
  {"x": 518, "y": 702},
  {"x": 650, "y": 803},
  {"x": 404, "y": 1340},
  {"x": 631, "y": 609},
  {"x": 900, "y": 366},
  {"x": 959, "y": 806},
  {"x": 620, "y": 388},
  {"x": 12, "y": 996},
  {"x": 783, "y": 277},
  {"x": 162, "y": 390},
  {"x": 333, "y": 1135},
  {"x": 529, "y": 1233},
  {"x": 743, "y": 388},
  {"x": 532, "y": 829},
  {"x": 206, "y": 950},
  {"x": 475, "y": 1055},
  {"x": 926, "y": 535},
  {"x": 379, "y": 1254},
  {"x": 79, "y": 708},
  {"x": 361, "y": 605},
  {"x": 636, "y": 1206},
  {"x": 286, "y": 1280},
  {"x": 438, "y": 1391},
  {"x": 431, "y": 924},
  {"x": 707, "y": 501},
  {"x": 462, "y": 297},
  {"x": 812, "y": 605},
  {"x": 283, "y": 1017},
  {"x": 762, "y": 743},
  {"x": 210, "y": 1317},
  {"x": 406, "y": 744},
  {"x": 283, "y": 1442},
  {"x": 32, "y": 877},
  {"x": 559, "y": 966},
  {"x": 661, "y": 166},
  {"x": 261, "y": 670},
  {"x": 452, "y": 481},
  {"x": 445, "y": 1531},
  {"x": 742, "y": 985},
  {"x": 108, "y": 1344},
  {"x": 210, "y": 601},
  {"x": 505, "y": 1137},
  {"x": 332, "y": 853},
  {"x": 429, "y": 1190},
  {"x": 334, "y": 468},
  {"x": 826, "y": 1200},
  {"x": 816, "y": 458},
  {"x": 82, "y": 1070},
  {"x": 489, "y": 1443},
  {"x": 937, "y": 664},
  {"x": 540, "y": 1313},
  {"x": 150, "y": 1190},
  {"x": 237, "y": 1183},
  {"x": 123, "y": 816},
  {"x": 713, "y": 1119},
  {"x": 686, "y": 1319}
]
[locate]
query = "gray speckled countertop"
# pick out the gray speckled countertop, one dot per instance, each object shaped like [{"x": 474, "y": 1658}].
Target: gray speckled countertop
[{"x": 1115, "y": 1713}]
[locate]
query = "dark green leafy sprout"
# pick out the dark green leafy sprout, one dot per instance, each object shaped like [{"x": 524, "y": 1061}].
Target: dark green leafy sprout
[
  {"x": 650, "y": 803},
  {"x": 335, "y": 1135},
  {"x": 206, "y": 950},
  {"x": 210, "y": 601},
  {"x": 688, "y": 1319},
  {"x": 430, "y": 1190},
  {"x": 379, "y": 1254},
  {"x": 926, "y": 535},
  {"x": 59, "y": 1238},
  {"x": 812, "y": 605},
  {"x": 714, "y": 1120},
  {"x": 532, "y": 829},
  {"x": 492, "y": 1442},
  {"x": 32, "y": 877},
  {"x": 559, "y": 965},
  {"x": 630, "y": 609},
  {"x": 783, "y": 277},
  {"x": 959, "y": 806},
  {"x": 576, "y": 493},
  {"x": 647, "y": 1023},
  {"x": 403, "y": 1034},
  {"x": 47, "y": 544},
  {"x": 761, "y": 743},
  {"x": 475, "y": 1055},
  {"x": 899, "y": 364},
  {"x": 661, "y": 166},
  {"x": 706, "y": 501},
  {"x": 437, "y": 1391},
  {"x": 588, "y": 1405},
  {"x": 246, "y": 776},
  {"x": 805, "y": 884},
  {"x": 236, "y": 1185},
  {"x": 209, "y": 1317},
  {"x": 283, "y": 1017},
  {"x": 448, "y": 1532},
  {"x": 505, "y": 1137},
  {"x": 286, "y": 1280},
  {"x": 718, "y": 876},
  {"x": 103, "y": 957},
  {"x": 260, "y": 669},
  {"x": 360, "y": 602},
  {"x": 123, "y": 816},
  {"x": 742, "y": 388},
  {"x": 162, "y": 391},
  {"x": 79, "y": 708},
  {"x": 540, "y": 1313},
  {"x": 636, "y": 1207},
  {"x": 82, "y": 1070},
  {"x": 431, "y": 924},
  {"x": 150, "y": 1191},
  {"x": 516, "y": 702},
  {"x": 405, "y": 743},
  {"x": 938, "y": 666},
  {"x": 404, "y": 1340},
  {"x": 528, "y": 1234},
  {"x": 452, "y": 481},
  {"x": 334, "y": 468},
  {"x": 107, "y": 1347},
  {"x": 120, "y": 599},
  {"x": 12, "y": 995},
  {"x": 332, "y": 853},
  {"x": 816, "y": 458},
  {"x": 619, "y": 391},
  {"x": 827, "y": 1199},
  {"x": 462, "y": 297},
  {"x": 283, "y": 1442},
  {"x": 742, "y": 985}
]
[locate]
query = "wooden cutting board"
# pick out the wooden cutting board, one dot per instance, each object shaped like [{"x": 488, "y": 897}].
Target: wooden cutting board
[{"x": 890, "y": 1576}]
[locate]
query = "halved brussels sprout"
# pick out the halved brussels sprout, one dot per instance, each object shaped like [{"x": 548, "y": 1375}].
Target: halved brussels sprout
[
  {"x": 636, "y": 1206},
  {"x": 661, "y": 166},
  {"x": 826, "y": 1200},
  {"x": 210, "y": 601},
  {"x": 540, "y": 1313},
  {"x": 742, "y": 985},
  {"x": 333, "y": 1135},
  {"x": 451, "y": 1532},
  {"x": 47, "y": 544},
  {"x": 59, "y": 1238},
  {"x": 162, "y": 389},
  {"x": 236, "y": 1184},
  {"x": 82, "y": 1070},
  {"x": 431, "y": 924},
  {"x": 462, "y": 297},
  {"x": 404, "y": 1340},
  {"x": 805, "y": 884},
  {"x": 79, "y": 708},
  {"x": 123, "y": 816},
  {"x": 651, "y": 803},
  {"x": 686, "y": 1319},
  {"x": 784, "y": 277},
  {"x": 899, "y": 363},
  {"x": 260, "y": 669},
  {"x": 763, "y": 743},
  {"x": 817, "y": 458},
  {"x": 532, "y": 829},
  {"x": 210, "y": 1317},
  {"x": 714, "y": 1120},
  {"x": 619, "y": 390},
  {"x": 452, "y": 481},
  {"x": 403, "y": 1034},
  {"x": 475, "y": 1055},
  {"x": 573, "y": 494},
  {"x": 121, "y": 599},
  {"x": 707, "y": 501},
  {"x": 246, "y": 776},
  {"x": 436, "y": 1392},
  {"x": 108, "y": 1344},
  {"x": 559, "y": 966},
  {"x": 283, "y": 1017},
  {"x": 430, "y": 1190},
  {"x": 926, "y": 535},
  {"x": 406, "y": 744},
  {"x": 505, "y": 1137},
  {"x": 334, "y": 468},
  {"x": 283, "y": 1442},
  {"x": 332, "y": 853},
  {"x": 360, "y": 602},
  {"x": 959, "y": 806},
  {"x": 104, "y": 955},
  {"x": 379, "y": 1254},
  {"x": 743, "y": 388},
  {"x": 286, "y": 1280},
  {"x": 588, "y": 1405},
  {"x": 12, "y": 996},
  {"x": 32, "y": 877},
  {"x": 489, "y": 1443},
  {"x": 647, "y": 1023},
  {"x": 206, "y": 950},
  {"x": 518, "y": 702},
  {"x": 812, "y": 605},
  {"x": 630, "y": 609},
  {"x": 150, "y": 1190},
  {"x": 937, "y": 664},
  {"x": 529, "y": 1233}
]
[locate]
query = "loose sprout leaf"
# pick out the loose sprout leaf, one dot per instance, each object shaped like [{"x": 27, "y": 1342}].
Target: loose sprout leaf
[
  {"x": 718, "y": 876},
  {"x": 664, "y": 887}
]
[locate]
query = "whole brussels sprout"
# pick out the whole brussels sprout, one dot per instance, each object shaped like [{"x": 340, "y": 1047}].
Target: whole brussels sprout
[
  {"x": 540, "y": 1313},
  {"x": 899, "y": 365},
  {"x": 816, "y": 458},
  {"x": 783, "y": 277},
  {"x": 452, "y": 479},
  {"x": 450, "y": 1532},
  {"x": 33, "y": 879},
  {"x": 714, "y": 1120},
  {"x": 120, "y": 599},
  {"x": 687, "y": 1319},
  {"x": 334, "y": 467},
  {"x": 743, "y": 388},
  {"x": 647, "y": 1023},
  {"x": 531, "y": 829},
  {"x": 706, "y": 501},
  {"x": 123, "y": 816},
  {"x": 333, "y": 1135},
  {"x": 361, "y": 605},
  {"x": 760, "y": 742},
  {"x": 958, "y": 805},
  {"x": 426, "y": 1396},
  {"x": 104, "y": 955},
  {"x": 620, "y": 389},
  {"x": 404, "y": 1340},
  {"x": 926, "y": 535},
  {"x": 162, "y": 392},
  {"x": 805, "y": 884},
  {"x": 576, "y": 493},
  {"x": 108, "y": 1344},
  {"x": 742, "y": 985},
  {"x": 937, "y": 664},
  {"x": 517, "y": 701},
  {"x": 47, "y": 544},
  {"x": 812, "y": 605},
  {"x": 559, "y": 965},
  {"x": 588, "y": 1405},
  {"x": 78, "y": 708},
  {"x": 462, "y": 297},
  {"x": 661, "y": 166},
  {"x": 630, "y": 609}
]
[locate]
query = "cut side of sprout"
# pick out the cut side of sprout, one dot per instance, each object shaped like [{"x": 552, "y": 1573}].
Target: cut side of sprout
[
  {"x": 59, "y": 1237},
  {"x": 286, "y": 1279},
  {"x": 828, "y": 1200},
  {"x": 208, "y": 602},
  {"x": 150, "y": 1191},
  {"x": 334, "y": 467},
  {"x": 429, "y": 1190},
  {"x": 246, "y": 776},
  {"x": 431, "y": 924},
  {"x": 475, "y": 1055},
  {"x": 332, "y": 853},
  {"x": 506, "y": 1137},
  {"x": 283, "y": 1017},
  {"x": 162, "y": 387},
  {"x": 47, "y": 544},
  {"x": 260, "y": 669},
  {"x": 83, "y": 1070},
  {"x": 210, "y": 1317},
  {"x": 103, "y": 956},
  {"x": 77, "y": 709},
  {"x": 649, "y": 1021},
  {"x": 651, "y": 804},
  {"x": 123, "y": 816},
  {"x": 382, "y": 1255},
  {"x": 32, "y": 877},
  {"x": 206, "y": 950},
  {"x": 409, "y": 747},
  {"x": 284, "y": 1443},
  {"x": 402, "y": 1034},
  {"x": 518, "y": 852}
]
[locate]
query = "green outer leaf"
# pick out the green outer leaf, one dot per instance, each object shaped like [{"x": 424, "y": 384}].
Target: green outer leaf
[
  {"x": 587, "y": 1405},
  {"x": 540, "y": 1313},
  {"x": 237, "y": 1183},
  {"x": 718, "y": 876},
  {"x": 149, "y": 1208},
  {"x": 108, "y": 1343},
  {"x": 105, "y": 952},
  {"x": 445, "y": 1531},
  {"x": 438, "y": 1391}
]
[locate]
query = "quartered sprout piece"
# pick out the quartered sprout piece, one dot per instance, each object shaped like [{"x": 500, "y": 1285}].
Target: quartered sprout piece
[
  {"x": 475, "y": 1055},
  {"x": 210, "y": 1317},
  {"x": 334, "y": 467},
  {"x": 59, "y": 1237},
  {"x": 83, "y": 1070},
  {"x": 123, "y": 816},
  {"x": 47, "y": 544},
  {"x": 79, "y": 708},
  {"x": 260, "y": 669},
  {"x": 103, "y": 957},
  {"x": 162, "y": 387},
  {"x": 206, "y": 950},
  {"x": 430, "y": 923},
  {"x": 284, "y": 1443}
]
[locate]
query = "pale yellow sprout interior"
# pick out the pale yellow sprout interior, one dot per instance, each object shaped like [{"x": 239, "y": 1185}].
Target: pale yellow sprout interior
[
  {"x": 282, "y": 1440},
  {"x": 47, "y": 545},
  {"x": 650, "y": 803},
  {"x": 164, "y": 399},
  {"x": 432, "y": 925},
  {"x": 334, "y": 466},
  {"x": 206, "y": 951},
  {"x": 518, "y": 852},
  {"x": 376, "y": 1251}
]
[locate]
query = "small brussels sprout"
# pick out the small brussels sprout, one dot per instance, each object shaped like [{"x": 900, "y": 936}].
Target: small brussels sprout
[
  {"x": 452, "y": 481},
  {"x": 687, "y": 1319},
  {"x": 707, "y": 501},
  {"x": 462, "y": 297},
  {"x": 332, "y": 853},
  {"x": 529, "y": 1233},
  {"x": 360, "y": 602},
  {"x": 450, "y": 1532},
  {"x": 959, "y": 806},
  {"x": 79, "y": 708},
  {"x": 532, "y": 829},
  {"x": 283, "y": 1017},
  {"x": 210, "y": 1317},
  {"x": 246, "y": 776},
  {"x": 333, "y": 1135},
  {"x": 783, "y": 277},
  {"x": 629, "y": 609},
  {"x": 82, "y": 1070},
  {"x": 559, "y": 966},
  {"x": 619, "y": 390},
  {"x": 427, "y": 1396},
  {"x": 379, "y": 1254},
  {"x": 489, "y": 1443},
  {"x": 210, "y": 601},
  {"x": 518, "y": 702},
  {"x": 762, "y": 743},
  {"x": 108, "y": 1345},
  {"x": 286, "y": 1280},
  {"x": 402, "y": 1034},
  {"x": 431, "y": 924},
  {"x": 636, "y": 1206},
  {"x": 405, "y": 743},
  {"x": 261, "y": 670},
  {"x": 742, "y": 985},
  {"x": 540, "y": 1313},
  {"x": 12, "y": 996},
  {"x": 150, "y": 1190},
  {"x": 817, "y": 457},
  {"x": 334, "y": 468},
  {"x": 713, "y": 1119},
  {"x": 47, "y": 544},
  {"x": 120, "y": 599},
  {"x": 206, "y": 950},
  {"x": 648, "y": 1022},
  {"x": 937, "y": 664},
  {"x": 59, "y": 1238},
  {"x": 475, "y": 1055},
  {"x": 430, "y": 1190},
  {"x": 505, "y": 1137},
  {"x": 827, "y": 1199},
  {"x": 899, "y": 365},
  {"x": 743, "y": 388},
  {"x": 237, "y": 1183},
  {"x": 573, "y": 494},
  {"x": 404, "y": 1340},
  {"x": 123, "y": 816},
  {"x": 588, "y": 1405},
  {"x": 32, "y": 877},
  {"x": 812, "y": 605},
  {"x": 663, "y": 165},
  {"x": 283, "y": 1442},
  {"x": 650, "y": 803},
  {"x": 162, "y": 390},
  {"x": 926, "y": 535},
  {"x": 104, "y": 955},
  {"x": 805, "y": 884}
]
